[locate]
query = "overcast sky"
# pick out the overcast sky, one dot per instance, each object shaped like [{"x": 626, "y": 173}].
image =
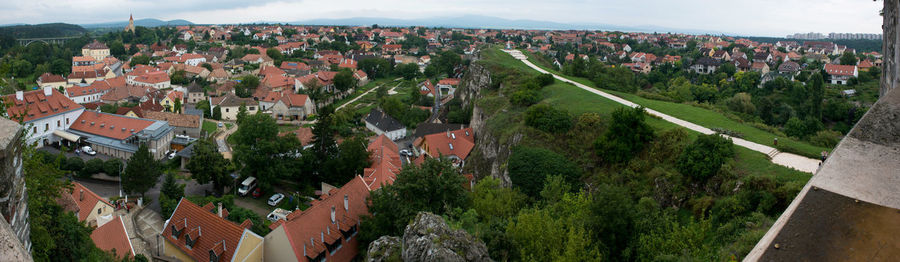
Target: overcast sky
[{"x": 755, "y": 17}]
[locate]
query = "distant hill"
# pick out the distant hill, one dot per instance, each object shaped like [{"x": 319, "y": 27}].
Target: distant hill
[
  {"x": 42, "y": 30},
  {"x": 478, "y": 21},
  {"x": 147, "y": 22}
]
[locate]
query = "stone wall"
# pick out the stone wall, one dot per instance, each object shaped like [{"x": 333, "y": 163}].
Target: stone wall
[
  {"x": 890, "y": 49},
  {"x": 13, "y": 198}
]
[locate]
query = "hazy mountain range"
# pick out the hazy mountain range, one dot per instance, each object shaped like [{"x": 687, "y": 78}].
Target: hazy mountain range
[
  {"x": 467, "y": 21},
  {"x": 146, "y": 22}
]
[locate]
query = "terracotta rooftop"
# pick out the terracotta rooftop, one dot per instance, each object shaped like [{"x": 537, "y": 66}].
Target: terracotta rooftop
[
  {"x": 109, "y": 125},
  {"x": 38, "y": 106},
  {"x": 213, "y": 233},
  {"x": 458, "y": 143},
  {"x": 85, "y": 199},
  {"x": 113, "y": 237},
  {"x": 176, "y": 120}
]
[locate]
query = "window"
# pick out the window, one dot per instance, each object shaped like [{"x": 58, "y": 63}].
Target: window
[
  {"x": 35, "y": 130},
  {"x": 67, "y": 120},
  {"x": 58, "y": 123},
  {"x": 99, "y": 210},
  {"x": 46, "y": 127},
  {"x": 252, "y": 108},
  {"x": 226, "y": 110}
]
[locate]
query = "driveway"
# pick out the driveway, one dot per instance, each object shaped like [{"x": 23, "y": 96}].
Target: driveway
[
  {"x": 107, "y": 189},
  {"x": 83, "y": 156}
]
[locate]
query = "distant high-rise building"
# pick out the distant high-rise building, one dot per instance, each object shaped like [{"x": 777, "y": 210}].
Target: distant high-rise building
[
  {"x": 130, "y": 26},
  {"x": 835, "y": 36}
]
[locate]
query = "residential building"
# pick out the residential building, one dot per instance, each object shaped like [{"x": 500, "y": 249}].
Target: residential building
[
  {"x": 328, "y": 229},
  {"x": 760, "y": 67},
  {"x": 286, "y": 105},
  {"x": 186, "y": 125},
  {"x": 113, "y": 237},
  {"x": 454, "y": 145},
  {"x": 96, "y": 50},
  {"x": 169, "y": 101},
  {"x": 195, "y": 93},
  {"x": 230, "y": 105},
  {"x": 841, "y": 74},
  {"x": 51, "y": 80},
  {"x": 705, "y": 65},
  {"x": 43, "y": 112},
  {"x": 383, "y": 124},
  {"x": 90, "y": 208},
  {"x": 156, "y": 79},
  {"x": 195, "y": 233},
  {"x": 119, "y": 136}
]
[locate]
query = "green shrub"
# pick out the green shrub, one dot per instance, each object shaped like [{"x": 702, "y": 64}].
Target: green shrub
[
  {"x": 113, "y": 166},
  {"x": 626, "y": 136},
  {"x": 825, "y": 138},
  {"x": 530, "y": 166},
  {"x": 91, "y": 167},
  {"x": 74, "y": 164},
  {"x": 703, "y": 158},
  {"x": 525, "y": 97},
  {"x": 548, "y": 119}
]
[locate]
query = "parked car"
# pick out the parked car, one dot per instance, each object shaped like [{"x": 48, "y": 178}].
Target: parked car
[
  {"x": 405, "y": 152},
  {"x": 171, "y": 154},
  {"x": 88, "y": 150},
  {"x": 275, "y": 199},
  {"x": 277, "y": 214},
  {"x": 221, "y": 125},
  {"x": 256, "y": 193},
  {"x": 246, "y": 186}
]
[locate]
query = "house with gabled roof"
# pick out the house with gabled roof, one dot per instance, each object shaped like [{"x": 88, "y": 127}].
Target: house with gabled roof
[
  {"x": 288, "y": 106},
  {"x": 114, "y": 238},
  {"x": 454, "y": 145},
  {"x": 45, "y": 112},
  {"x": 195, "y": 233},
  {"x": 383, "y": 124},
  {"x": 90, "y": 208},
  {"x": 841, "y": 74},
  {"x": 120, "y": 136},
  {"x": 328, "y": 229}
]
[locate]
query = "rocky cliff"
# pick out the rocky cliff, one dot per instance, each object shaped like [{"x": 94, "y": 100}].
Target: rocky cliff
[
  {"x": 428, "y": 238},
  {"x": 492, "y": 150}
]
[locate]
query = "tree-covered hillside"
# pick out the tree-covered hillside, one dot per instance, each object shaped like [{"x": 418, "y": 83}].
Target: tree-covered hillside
[{"x": 42, "y": 30}]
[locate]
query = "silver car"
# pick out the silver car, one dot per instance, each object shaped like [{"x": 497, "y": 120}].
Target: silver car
[{"x": 275, "y": 199}]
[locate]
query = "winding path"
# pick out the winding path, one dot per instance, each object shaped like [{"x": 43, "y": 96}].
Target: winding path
[{"x": 789, "y": 160}]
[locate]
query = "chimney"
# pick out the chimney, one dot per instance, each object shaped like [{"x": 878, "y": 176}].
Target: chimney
[
  {"x": 20, "y": 95},
  {"x": 346, "y": 203},
  {"x": 48, "y": 91},
  {"x": 220, "y": 210},
  {"x": 332, "y": 214},
  {"x": 81, "y": 195}
]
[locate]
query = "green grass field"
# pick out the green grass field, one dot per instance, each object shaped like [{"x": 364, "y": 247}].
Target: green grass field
[
  {"x": 578, "y": 101},
  {"x": 701, "y": 116},
  {"x": 209, "y": 127}
]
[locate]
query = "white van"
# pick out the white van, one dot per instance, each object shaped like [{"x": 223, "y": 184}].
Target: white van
[{"x": 248, "y": 185}]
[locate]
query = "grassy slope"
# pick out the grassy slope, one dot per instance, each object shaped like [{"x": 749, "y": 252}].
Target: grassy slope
[
  {"x": 702, "y": 116},
  {"x": 578, "y": 101}
]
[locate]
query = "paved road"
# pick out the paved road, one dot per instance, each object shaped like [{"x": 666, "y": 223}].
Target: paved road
[
  {"x": 221, "y": 139},
  {"x": 107, "y": 189},
  {"x": 794, "y": 161}
]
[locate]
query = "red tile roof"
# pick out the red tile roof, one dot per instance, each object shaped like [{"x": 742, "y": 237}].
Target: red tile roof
[
  {"x": 304, "y": 134},
  {"x": 113, "y": 237},
  {"x": 86, "y": 200},
  {"x": 458, "y": 143},
  {"x": 51, "y": 78},
  {"x": 386, "y": 163},
  {"x": 109, "y": 125},
  {"x": 212, "y": 232},
  {"x": 449, "y": 81},
  {"x": 38, "y": 106},
  {"x": 840, "y": 70},
  {"x": 153, "y": 77}
]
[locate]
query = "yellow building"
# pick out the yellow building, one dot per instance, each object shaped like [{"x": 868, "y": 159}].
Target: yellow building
[
  {"x": 195, "y": 233},
  {"x": 96, "y": 50},
  {"x": 90, "y": 208}
]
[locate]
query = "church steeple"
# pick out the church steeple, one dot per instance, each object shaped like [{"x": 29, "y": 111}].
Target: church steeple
[{"x": 130, "y": 26}]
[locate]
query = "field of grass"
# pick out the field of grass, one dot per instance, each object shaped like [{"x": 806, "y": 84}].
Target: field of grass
[
  {"x": 704, "y": 117},
  {"x": 287, "y": 128},
  {"x": 578, "y": 101},
  {"x": 209, "y": 127}
]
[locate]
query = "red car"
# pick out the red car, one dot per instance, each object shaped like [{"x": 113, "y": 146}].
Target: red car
[{"x": 256, "y": 193}]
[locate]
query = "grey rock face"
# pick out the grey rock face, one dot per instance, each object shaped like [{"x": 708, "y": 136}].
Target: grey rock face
[
  {"x": 429, "y": 238},
  {"x": 384, "y": 249}
]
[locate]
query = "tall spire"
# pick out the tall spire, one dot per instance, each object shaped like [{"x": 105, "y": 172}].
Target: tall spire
[{"x": 130, "y": 26}]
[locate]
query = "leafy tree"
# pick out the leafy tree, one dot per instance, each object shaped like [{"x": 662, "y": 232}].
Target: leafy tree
[
  {"x": 141, "y": 172},
  {"x": 548, "y": 119},
  {"x": 849, "y": 58},
  {"x": 555, "y": 232},
  {"x": 407, "y": 71},
  {"x": 177, "y": 107},
  {"x": 627, "y": 135},
  {"x": 816, "y": 93},
  {"x": 795, "y": 127},
  {"x": 344, "y": 80},
  {"x": 274, "y": 54},
  {"x": 529, "y": 166},
  {"x": 703, "y": 158},
  {"x": 262, "y": 153},
  {"x": 208, "y": 165},
  {"x": 217, "y": 113},
  {"x": 93, "y": 166},
  {"x": 741, "y": 103},
  {"x": 493, "y": 201},
  {"x": 353, "y": 157},
  {"x": 545, "y": 79},
  {"x": 74, "y": 164},
  {"x": 434, "y": 187},
  {"x": 139, "y": 60},
  {"x": 375, "y": 67},
  {"x": 169, "y": 195},
  {"x": 113, "y": 167}
]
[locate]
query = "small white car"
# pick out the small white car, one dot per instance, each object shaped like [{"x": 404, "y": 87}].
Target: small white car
[
  {"x": 277, "y": 214},
  {"x": 275, "y": 199},
  {"x": 405, "y": 152},
  {"x": 171, "y": 154},
  {"x": 88, "y": 150}
]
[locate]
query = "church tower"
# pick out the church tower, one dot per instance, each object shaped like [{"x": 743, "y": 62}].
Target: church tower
[{"x": 130, "y": 26}]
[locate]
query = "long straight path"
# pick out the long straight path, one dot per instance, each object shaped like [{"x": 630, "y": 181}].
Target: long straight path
[{"x": 789, "y": 160}]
